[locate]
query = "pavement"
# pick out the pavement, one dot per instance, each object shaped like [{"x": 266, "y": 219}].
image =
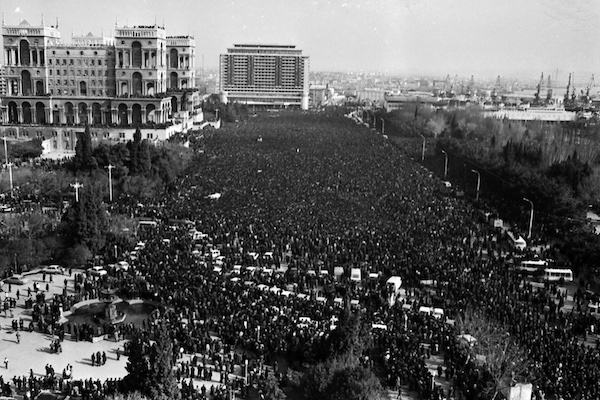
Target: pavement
[{"x": 33, "y": 353}]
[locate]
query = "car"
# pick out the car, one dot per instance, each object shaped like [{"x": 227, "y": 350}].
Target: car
[
  {"x": 16, "y": 280},
  {"x": 97, "y": 271},
  {"x": 53, "y": 269},
  {"x": 122, "y": 266}
]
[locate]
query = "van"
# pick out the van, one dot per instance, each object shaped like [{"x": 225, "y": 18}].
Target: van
[{"x": 355, "y": 275}]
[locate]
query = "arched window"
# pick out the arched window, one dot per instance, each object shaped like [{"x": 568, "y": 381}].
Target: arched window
[
  {"x": 174, "y": 79},
  {"x": 136, "y": 54},
  {"x": 137, "y": 84},
  {"x": 173, "y": 58},
  {"x": 26, "y": 82},
  {"x": 24, "y": 52}
]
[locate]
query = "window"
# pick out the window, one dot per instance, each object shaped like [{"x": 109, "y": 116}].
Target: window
[
  {"x": 149, "y": 136},
  {"x": 50, "y": 72},
  {"x": 122, "y": 135},
  {"x": 99, "y": 62},
  {"x": 58, "y": 72},
  {"x": 78, "y": 72},
  {"x": 71, "y": 61},
  {"x": 64, "y": 61},
  {"x": 92, "y": 62}
]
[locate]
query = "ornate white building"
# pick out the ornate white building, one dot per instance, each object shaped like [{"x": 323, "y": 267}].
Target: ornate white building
[{"x": 140, "y": 77}]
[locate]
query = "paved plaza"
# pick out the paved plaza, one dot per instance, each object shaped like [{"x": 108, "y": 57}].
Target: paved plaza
[{"x": 33, "y": 351}]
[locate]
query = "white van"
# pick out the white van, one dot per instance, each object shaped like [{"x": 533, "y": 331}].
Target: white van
[{"x": 355, "y": 275}]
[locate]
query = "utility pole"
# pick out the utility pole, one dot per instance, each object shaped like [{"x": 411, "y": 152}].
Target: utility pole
[
  {"x": 530, "y": 217},
  {"x": 478, "y": 183},
  {"x": 110, "y": 192},
  {"x": 10, "y": 178},
  {"x": 77, "y": 185},
  {"x": 423, "y": 150},
  {"x": 445, "y": 164},
  {"x": 382, "y": 126}
]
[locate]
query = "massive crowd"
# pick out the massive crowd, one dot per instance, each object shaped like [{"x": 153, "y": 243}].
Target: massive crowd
[{"x": 324, "y": 194}]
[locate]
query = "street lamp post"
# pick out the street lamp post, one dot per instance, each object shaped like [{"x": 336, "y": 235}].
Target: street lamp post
[
  {"x": 445, "y": 164},
  {"x": 382, "y": 126},
  {"x": 76, "y": 185},
  {"x": 530, "y": 217},
  {"x": 9, "y": 166},
  {"x": 110, "y": 193},
  {"x": 5, "y": 149},
  {"x": 10, "y": 177},
  {"x": 478, "y": 183},
  {"x": 423, "y": 149}
]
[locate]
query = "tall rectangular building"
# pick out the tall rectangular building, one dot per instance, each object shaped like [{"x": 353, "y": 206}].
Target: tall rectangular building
[{"x": 265, "y": 75}]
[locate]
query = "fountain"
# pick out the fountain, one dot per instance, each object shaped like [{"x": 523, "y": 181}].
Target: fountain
[{"x": 111, "y": 315}]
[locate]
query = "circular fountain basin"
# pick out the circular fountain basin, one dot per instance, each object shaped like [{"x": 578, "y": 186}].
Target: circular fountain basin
[{"x": 92, "y": 312}]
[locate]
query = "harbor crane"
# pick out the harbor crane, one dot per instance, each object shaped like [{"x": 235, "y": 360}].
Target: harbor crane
[{"x": 549, "y": 89}]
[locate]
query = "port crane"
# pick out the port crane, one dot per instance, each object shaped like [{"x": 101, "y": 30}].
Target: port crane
[
  {"x": 588, "y": 88},
  {"x": 567, "y": 99},
  {"x": 539, "y": 88},
  {"x": 549, "y": 89}
]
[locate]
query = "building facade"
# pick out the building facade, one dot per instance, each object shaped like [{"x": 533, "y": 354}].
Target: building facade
[
  {"x": 265, "y": 75},
  {"x": 107, "y": 82}
]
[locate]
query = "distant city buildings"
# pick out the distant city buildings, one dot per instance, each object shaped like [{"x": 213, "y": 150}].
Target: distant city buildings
[
  {"x": 139, "y": 78},
  {"x": 265, "y": 75}
]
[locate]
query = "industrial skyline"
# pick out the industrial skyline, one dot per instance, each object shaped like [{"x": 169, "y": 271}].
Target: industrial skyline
[{"x": 481, "y": 37}]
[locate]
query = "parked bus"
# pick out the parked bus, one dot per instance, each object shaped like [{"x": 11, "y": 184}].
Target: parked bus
[{"x": 556, "y": 274}]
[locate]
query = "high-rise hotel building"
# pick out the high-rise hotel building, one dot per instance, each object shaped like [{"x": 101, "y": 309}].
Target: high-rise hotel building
[
  {"x": 265, "y": 75},
  {"x": 140, "y": 77}
]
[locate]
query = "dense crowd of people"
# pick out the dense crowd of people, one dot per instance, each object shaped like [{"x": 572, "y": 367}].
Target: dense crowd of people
[{"x": 314, "y": 193}]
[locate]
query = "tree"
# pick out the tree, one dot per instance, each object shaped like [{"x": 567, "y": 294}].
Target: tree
[
  {"x": 502, "y": 356},
  {"x": 163, "y": 383},
  {"x": 137, "y": 367},
  {"x": 84, "y": 159},
  {"x": 342, "y": 377},
  {"x": 85, "y": 223},
  {"x": 270, "y": 389}
]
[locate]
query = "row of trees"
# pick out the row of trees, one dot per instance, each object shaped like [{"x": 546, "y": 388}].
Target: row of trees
[{"x": 556, "y": 166}]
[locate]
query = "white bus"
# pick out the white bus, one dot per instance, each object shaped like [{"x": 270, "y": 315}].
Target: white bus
[{"x": 556, "y": 274}]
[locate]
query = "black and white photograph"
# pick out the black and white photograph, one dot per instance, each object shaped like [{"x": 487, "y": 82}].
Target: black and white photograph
[{"x": 300, "y": 200}]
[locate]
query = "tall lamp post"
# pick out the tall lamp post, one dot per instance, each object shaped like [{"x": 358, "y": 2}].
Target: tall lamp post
[
  {"x": 423, "y": 149},
  {"x": 9, "y": 166},
  {"x": 110, "y": 194},
  {"x": 478, "y": 183},
  {"x": 10, "y": 177},
  {"x": 530, "y": 217},
  {"x": 382, "y": 126},
  {"x": 445, "y": 164},
  {"x": 77, "y": 185}
]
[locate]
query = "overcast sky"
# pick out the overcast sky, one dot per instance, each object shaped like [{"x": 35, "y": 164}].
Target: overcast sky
[{"x": 480, "y": 37}]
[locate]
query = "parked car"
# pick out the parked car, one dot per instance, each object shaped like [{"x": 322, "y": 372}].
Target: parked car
[
  {"x": 122, "y": 266},
  {"x": 53, "y": 269},
  {"x": 16, "y": 280},
  {"x": 97, "y": 271}
]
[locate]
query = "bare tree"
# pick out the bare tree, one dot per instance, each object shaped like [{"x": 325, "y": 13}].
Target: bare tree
[{"x": 490, "y": 344}]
